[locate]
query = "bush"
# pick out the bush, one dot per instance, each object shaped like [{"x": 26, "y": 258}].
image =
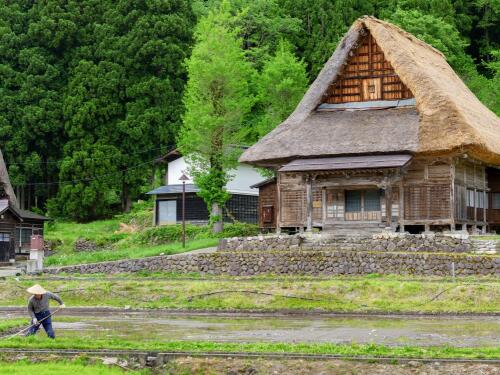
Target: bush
[
  {"x": 173, "y": 233},
  {"x": 141, "y": 214},
  {"x": 239, "y": 230},
  {"x": 168, "y": 233}
]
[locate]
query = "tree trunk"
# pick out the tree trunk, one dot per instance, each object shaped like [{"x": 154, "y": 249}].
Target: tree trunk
[
  {"x": 126, "y": 199},
  {"x": 218, "y": 226}
]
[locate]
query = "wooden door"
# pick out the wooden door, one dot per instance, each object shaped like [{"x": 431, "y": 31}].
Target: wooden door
[
  {"x": 362, "y": 205},
  {"x": 5, "y": 246}
]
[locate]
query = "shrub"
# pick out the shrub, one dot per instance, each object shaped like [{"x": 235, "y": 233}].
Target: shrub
[
  {"x": 173, "y": 233},
  {"x": 239, "y": 230}
]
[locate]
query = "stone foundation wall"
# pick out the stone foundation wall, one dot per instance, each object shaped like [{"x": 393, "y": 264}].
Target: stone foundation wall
[
  {"x": 310, "y": 262},
  {"x": 436, "y": 243}
]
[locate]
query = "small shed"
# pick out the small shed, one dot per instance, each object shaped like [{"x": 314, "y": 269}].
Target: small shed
[
  {"x": 16, "y": 225},
  {"x": 268, "y": 204}
]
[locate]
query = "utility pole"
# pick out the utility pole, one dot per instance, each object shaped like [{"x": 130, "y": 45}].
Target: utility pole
[{"x": 183, "y": 178}]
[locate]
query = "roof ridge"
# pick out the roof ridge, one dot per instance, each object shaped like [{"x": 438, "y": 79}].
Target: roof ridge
[{"x": 405, "y": 33}]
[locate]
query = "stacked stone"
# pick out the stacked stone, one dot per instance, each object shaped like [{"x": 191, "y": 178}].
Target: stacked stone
[
  {"x": 390, "y": 242},
  {"x": 310, "y": 262}
]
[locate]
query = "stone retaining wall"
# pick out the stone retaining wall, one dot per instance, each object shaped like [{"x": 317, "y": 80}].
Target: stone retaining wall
[
  {"x": 436, "y": 243},
  {"x": 310, "y": 262}
]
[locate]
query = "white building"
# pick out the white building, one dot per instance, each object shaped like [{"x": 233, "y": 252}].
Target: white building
[{"x": 242, "y": 206}]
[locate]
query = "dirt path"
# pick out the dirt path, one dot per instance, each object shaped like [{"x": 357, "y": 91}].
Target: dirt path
[{"x": 389, "y": 330}]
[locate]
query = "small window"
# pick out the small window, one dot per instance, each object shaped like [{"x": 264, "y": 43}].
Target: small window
[
  {"x": 372, "y": 200},
  {"x": 470, "y": 198},
  {"x": 4, "y": 237},
  {"x": 480, "y": 199},
  {"x": 25, "y": 235},
  {"x": 495, "y": 201},
  {"x": 353, "y": 201}
]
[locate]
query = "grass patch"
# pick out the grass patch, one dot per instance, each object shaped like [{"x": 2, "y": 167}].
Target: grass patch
[
  {"x": 62, "y": 367},
  {"x": 206, "y": 346},
  {"x": 492, "y": 237},
  {"x": 65, "y": 234},
  {"x": 7, "y": 325},
  {"x": 362, "y": 294},
  {"x": 64, "y": 259}
]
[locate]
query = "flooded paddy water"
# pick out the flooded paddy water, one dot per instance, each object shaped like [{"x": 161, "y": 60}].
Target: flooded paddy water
[{"x": 462, "y": 331}]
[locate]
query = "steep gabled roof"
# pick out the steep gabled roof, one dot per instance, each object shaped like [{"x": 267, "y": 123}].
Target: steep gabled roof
[
  {"x": 5, "y": 181},
  {"x": 448, "y": 117}
]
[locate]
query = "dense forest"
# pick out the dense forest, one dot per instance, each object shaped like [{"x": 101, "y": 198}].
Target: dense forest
[{"x": 94, "y": 92}]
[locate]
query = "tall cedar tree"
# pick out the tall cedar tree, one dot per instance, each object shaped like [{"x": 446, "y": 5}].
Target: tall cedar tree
[
  {"x": 217, "y": 98},
  {"x": 123, "y": 104}
]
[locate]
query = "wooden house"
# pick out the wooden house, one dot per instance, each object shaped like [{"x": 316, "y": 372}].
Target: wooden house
[
  {"x": 241, "y": 206},
  {"x": 16, "y": 225},
  {"x": 387, "y": 136}
]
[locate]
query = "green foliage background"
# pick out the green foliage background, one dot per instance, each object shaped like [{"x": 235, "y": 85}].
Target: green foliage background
[{"x": 91, "y": 91}]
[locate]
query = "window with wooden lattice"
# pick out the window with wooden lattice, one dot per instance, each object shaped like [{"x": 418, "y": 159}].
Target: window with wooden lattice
[{"x": 367, "y": 76}]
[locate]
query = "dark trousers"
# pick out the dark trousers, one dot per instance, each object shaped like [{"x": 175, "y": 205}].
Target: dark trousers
[{"x": 47, "y": 325}]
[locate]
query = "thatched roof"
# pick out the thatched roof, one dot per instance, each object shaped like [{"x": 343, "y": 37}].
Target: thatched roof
[
  {"x": 5, "y": 181},
  {"x": 450, "y": 117}
]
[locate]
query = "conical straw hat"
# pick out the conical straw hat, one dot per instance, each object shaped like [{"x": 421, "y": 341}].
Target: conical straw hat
[{"x": 36, "y": 289}]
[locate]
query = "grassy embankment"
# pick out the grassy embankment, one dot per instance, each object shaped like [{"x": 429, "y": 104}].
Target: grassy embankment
[
  {"x": 129, "y": 236},
  {"x": 371, "y": 350},
  {"x": 346, "y": 294},
  {"x": 62, "y": 367}
]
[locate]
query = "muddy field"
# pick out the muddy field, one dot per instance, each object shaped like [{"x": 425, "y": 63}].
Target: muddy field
[
  {"x": 202, "y": 366},
  {"x": 478, "y": 331}
]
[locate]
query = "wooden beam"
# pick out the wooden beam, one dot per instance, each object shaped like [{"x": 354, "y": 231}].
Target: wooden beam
[
  {"x": 388, "y": 205},
  {"x": 278, "y": 203},
  {"x": 452, "y": 196},
  {"x": 309, "y": 203},
  {"x": 401, "y": 207}
]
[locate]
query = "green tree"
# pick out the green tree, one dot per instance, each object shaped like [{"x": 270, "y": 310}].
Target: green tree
[
  {"x": 217, "y": 98},
  {"x": 280, "y": 86},
  {"x": 438, "y": 33}
]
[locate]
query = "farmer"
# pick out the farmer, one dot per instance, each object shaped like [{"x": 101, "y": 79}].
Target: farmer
[{"x": 38, "y": 308}]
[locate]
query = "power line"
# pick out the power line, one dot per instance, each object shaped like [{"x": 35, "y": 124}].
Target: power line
[
  {"x": 93, "y": 178},
  {"x": 168, "y": 147}
]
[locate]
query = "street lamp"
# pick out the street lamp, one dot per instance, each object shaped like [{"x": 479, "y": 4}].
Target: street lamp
[{"x": 183, "y": 178}]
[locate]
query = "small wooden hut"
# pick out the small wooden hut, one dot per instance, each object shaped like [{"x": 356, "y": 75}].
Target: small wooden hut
[
  {"x": 16, "y": 225},
  {"x": 387, "y": 136}
]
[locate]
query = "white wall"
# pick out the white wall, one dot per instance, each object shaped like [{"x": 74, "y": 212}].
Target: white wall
[
  {"x": 175, "y": 170},
  {"x": 243, "y": 177}
]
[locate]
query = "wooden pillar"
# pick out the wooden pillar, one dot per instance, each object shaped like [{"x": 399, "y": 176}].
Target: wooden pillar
[
  {"x": 485, "y": 197},
  {"x": 401, "y": 207},
  {"x": 388, "y": 205},
  {"x": 278, "y": 203},
  {"x": 309, "y": 203},
  {"x": 452, "y": 196},
  {"x": 323, "y": 205}
]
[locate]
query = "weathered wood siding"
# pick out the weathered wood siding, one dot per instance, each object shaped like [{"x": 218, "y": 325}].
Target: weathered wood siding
[
  {"x": 7, "y": 225},
  {"x": 268, "y": 199},
  {"x": 470, "y": 186},
  {"x": 367, "y": 76},
  {"x": 427, "y": 192},
  {"x": 493, "y": 178}
]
